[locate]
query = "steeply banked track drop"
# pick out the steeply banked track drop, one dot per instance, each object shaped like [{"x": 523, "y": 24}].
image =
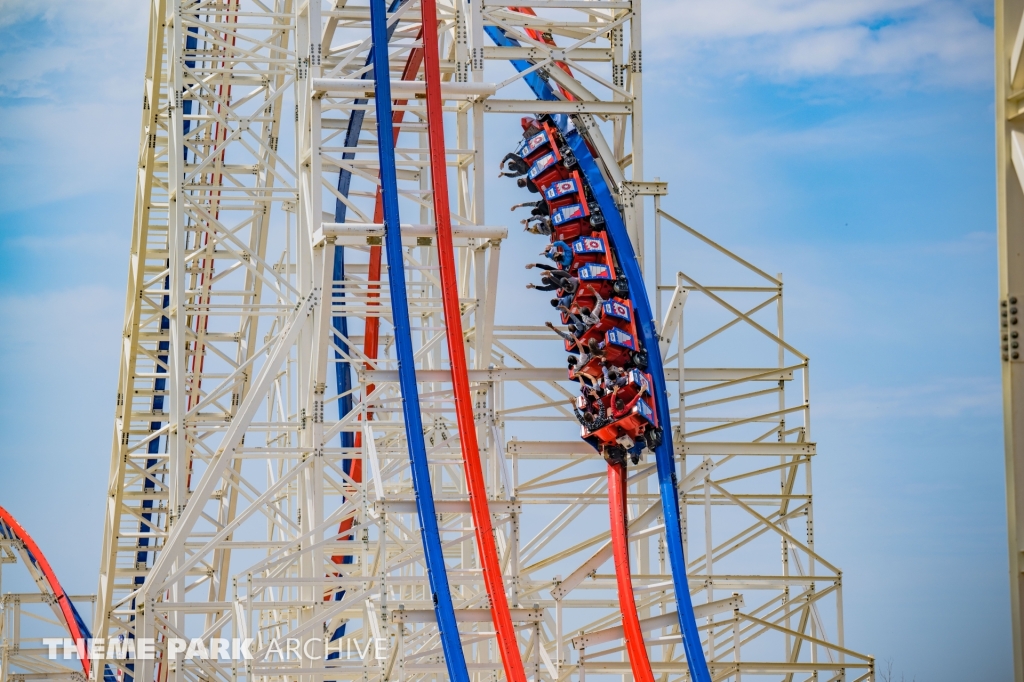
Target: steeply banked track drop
[{"x": 617, "y": 358}]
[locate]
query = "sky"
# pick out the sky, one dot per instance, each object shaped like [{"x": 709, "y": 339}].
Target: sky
[{"x": 848, "y": 145}]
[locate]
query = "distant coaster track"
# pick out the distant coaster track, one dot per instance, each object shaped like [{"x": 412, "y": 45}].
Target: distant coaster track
[{"x": 46, "y": 580}]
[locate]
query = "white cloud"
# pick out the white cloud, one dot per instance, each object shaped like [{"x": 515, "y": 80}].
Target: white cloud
[
  {"x": 54, "y": 152},
  {"x": 15, "y": 11},
  {"x": 71, "y": 78},
  {"x": 940, "y": 399},
  {"x": 746, "y": 18},
  {"x": 40, "y": 326},
  {"x": 932, "y": 41}
]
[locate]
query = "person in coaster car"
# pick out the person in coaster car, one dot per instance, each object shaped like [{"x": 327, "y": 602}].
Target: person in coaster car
[
  {"x": 560, "y": 252},
  {"x": 551, "y": 281},
  {"x": 621, "y": 409},
  {"x": 562, "y": 301},
  {"x": 599, "y": 301},
  {"x": 573, "y": 338},
  {"x": 538, "y": 225},
  {"x": 576, "y": 373},
  {"x": 516, "y": 166},
  {"x": 538, "y": 208},
  {"x": 590, "y": 350},
  {"x": 614, "y": 381},
  {"x": 586, "y": 317},
  {"x": 528, "y": 184},
  {"x": 588, "y": 419},
  {"x": 557, "y": 272}
]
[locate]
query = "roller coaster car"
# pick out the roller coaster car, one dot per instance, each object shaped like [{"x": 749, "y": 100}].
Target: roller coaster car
[
  {"x": 591, "y": 249},
  {"x": 570, "y": 222},
  {"x": 535, "y": 146},
  {"x": 620, "y": 349},
  {"x": 548, "y": 169},
  {"x": 564, "y": 192},
  {"x": 531, "y": 148},
  {"x": 615, "y": 314},
  {"x": 637, "y": 426},
  {"x": 597, "y": 276}
]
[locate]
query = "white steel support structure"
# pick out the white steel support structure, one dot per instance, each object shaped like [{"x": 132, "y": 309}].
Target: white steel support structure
[
  {"x": 1009, "y": 36},
  {"x": 229, "y": 480},
  {"x": 28, "y": 619}
]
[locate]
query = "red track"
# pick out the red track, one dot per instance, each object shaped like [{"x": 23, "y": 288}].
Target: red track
[
  {"x": 463, "y": 400},
  {"x": 63, "y": 601},
  {"x": 483, "y": 528},
  {"x": 633, "y": 636}
]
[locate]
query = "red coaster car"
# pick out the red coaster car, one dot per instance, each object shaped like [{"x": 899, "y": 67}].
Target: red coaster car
[
  {"x": 615, "y": 314},
  {"x": 548, "y": 169},
  {"x": 620, "y": 347},
  {"x": 564, "y": 192},
  {"x": 636, "y": 416},
  {"x": 570, "y": 221},
  {"x": 596, "y": 276},
  {"x": 591, "y": 249},
  {"x": 532, "y": 148}
]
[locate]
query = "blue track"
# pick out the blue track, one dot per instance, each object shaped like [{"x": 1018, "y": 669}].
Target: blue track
[
  {"x": 437, "y": 572},
  {"x": 664, "y": 454},
  {"x": 343, "y": 373},
  {"x": 342, "y": 367}
]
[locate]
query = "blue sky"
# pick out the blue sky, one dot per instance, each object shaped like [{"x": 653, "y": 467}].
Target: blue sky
[{"x": 847, "y": 144}]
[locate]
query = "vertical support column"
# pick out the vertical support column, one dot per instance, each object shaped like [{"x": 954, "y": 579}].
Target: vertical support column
[
  {"x": 177, "y": 445},
  {"x": 476, "y": 54},
  {"x": 784, "y": 473},
  {"x": 176, "y": 394},
  {"x": 636, "y": 82},
  {"x": 322, "y": 262},
  {"x": 5, "y": 627},
  {"x": 309, "y": 215},
  {"x": 736, "y": 640},
  {"x": 1010, "y": 211},
  {"x": 462, "y": 65}
]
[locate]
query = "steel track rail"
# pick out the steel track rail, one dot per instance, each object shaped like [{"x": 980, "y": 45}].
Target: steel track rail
[
  {"x": 664, "y": 453},
  {"x": 371, "y": 335},
  {"x": 639, "y": 662},
  {"x": 468, "y": 445},
  {"x": 437, "y": 573}
]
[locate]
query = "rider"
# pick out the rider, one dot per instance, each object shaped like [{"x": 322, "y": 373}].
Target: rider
[
  {"x": 550, "y": 281},
  {"x": 560, "y": 252}
]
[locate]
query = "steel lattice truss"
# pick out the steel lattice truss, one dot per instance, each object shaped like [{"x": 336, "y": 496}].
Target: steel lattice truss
[
  {"x": 233, "y": 509},
  {"x": 26, "y": 619}
]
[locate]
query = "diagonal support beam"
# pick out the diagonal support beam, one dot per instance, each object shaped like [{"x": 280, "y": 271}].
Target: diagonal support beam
[{"x": 175, "y": 546}]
